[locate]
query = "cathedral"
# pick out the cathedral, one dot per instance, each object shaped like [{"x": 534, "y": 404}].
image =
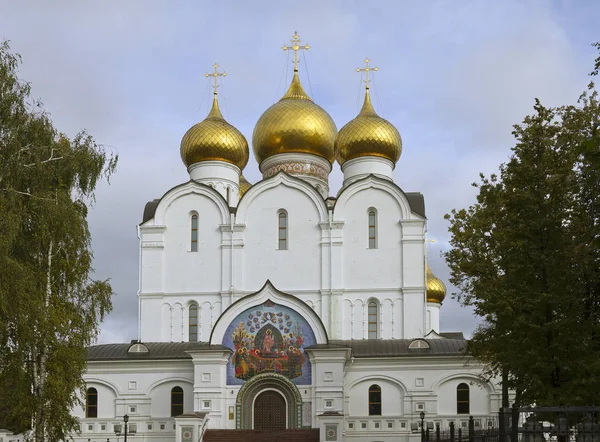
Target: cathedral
[{"x": 278, "y": 306}]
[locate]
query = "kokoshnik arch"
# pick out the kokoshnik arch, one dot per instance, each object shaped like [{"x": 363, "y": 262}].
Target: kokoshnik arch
[{"x": 276, "y": 305}]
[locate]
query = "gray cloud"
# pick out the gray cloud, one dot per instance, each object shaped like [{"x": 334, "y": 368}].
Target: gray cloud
[{"x": 455, "y": 76}]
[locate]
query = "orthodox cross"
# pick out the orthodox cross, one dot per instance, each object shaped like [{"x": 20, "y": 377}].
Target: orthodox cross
[
  {"x": 295, "y": 47},
  {"x": 366, "y": 70},
  {"x": 215, "y": 76}
]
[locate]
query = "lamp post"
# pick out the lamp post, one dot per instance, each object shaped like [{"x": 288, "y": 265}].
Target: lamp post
[
  {"x": 422, "y": 415},
  {"x": 125, "y": 419}
]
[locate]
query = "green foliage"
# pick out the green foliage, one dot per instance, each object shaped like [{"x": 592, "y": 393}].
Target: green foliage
[
  {"x": 50, "y": 309},
  {"x": 526, "y": 256}
]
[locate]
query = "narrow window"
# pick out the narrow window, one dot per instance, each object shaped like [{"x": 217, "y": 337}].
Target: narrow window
[
  {"x": 372, "y": 229},
  {"x": 194, "y": 247},
  {"x": 462, "y": 399},
  {"x": 372, "y": 320},
  {"x": 91, "y": 403},
  {"x": 193, "y": 330},
  {"x": 283, "y": 225},
  {"x": 176, "y": 401},
  {"x": 374, "y": 400}
]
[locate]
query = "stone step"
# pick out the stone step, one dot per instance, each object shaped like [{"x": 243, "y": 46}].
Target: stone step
[{"x": 310, "y": 435}]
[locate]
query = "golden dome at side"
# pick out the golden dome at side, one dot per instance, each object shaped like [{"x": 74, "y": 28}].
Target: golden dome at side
[
  {"x": 214, "y": 139},
  {"x": 295, "y": 124},
  {"x": 436, "y": 289},
  {"x": 368, "y": 135},
  {"x": 244, "y": 185}
]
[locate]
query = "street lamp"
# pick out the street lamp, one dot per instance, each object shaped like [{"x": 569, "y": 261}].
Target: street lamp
[
  {"x": 422, "y": 415},
  {"x": 125, "y": 419}
]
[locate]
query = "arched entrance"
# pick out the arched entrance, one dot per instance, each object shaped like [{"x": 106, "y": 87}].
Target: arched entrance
[
  {"x": 270, "y": 411},
  {"x": 257, "y": 396}
]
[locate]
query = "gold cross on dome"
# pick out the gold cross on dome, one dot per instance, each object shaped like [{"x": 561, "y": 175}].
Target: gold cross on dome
[
  {"x": 366, "y": 70},
  {"x": 295, "y": 47},
  {"x": 215, "y": 76}
]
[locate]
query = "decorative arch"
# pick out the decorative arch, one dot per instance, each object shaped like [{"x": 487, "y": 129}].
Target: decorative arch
[
  {"x": 177, "y": 379},
  {"x": 372, "y": 182},
  {"x": 89, "y": 381},
  {"x": 376, "y": 378},
  {"x": 258, "y": 384},
  {"x": 281, "y": 178},
  {"x": 268, "y": 292},
  {"x": 191, "y": 187},
  {"x": 465, "y": 377}
]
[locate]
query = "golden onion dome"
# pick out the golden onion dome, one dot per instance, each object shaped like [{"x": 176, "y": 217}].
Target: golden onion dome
[
  {"x": 368, "y": 135},
  {"x": 295, "y": 124},
  {"x": 214, "y": 139},
  {"x": 436, "y": 290},
  {"x": 244, "y": 185}
]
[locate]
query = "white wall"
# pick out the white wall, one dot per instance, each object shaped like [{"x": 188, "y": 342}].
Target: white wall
[{"x": 299, "y": 267}]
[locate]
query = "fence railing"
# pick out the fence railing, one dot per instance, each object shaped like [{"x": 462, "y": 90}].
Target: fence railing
[{"x": 453, "y": 434}]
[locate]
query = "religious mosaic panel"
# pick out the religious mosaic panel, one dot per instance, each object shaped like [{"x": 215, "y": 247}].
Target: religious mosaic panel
[{"x": 269, "y": 338}]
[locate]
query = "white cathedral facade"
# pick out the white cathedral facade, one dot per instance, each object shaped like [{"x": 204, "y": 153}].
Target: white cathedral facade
[{"x": 278, "y": 306}]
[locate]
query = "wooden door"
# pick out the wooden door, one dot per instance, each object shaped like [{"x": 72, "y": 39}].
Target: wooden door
[{"x": 269, "y": 411}]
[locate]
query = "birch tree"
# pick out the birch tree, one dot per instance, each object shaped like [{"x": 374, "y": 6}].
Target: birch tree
[{"x": 50, "y": 307}]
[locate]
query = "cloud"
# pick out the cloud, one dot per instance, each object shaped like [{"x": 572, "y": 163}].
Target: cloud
[{"x": 454, "y": 76}]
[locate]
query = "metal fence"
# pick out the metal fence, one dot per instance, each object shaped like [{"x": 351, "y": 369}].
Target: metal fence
[
  {"x": 469, "y": 434},
  {"x": 532, "y": 424},
  {"x": 549, "y": 424}
]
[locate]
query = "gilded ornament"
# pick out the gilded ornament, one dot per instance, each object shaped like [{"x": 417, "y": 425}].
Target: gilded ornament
[
  {"x": 214, "y": 139},
  {"x": 436, "y": 290},
  {"x": 244, "y": 185},
  {"x": 368, "y": 134},
  {"x": 295, "y": 124}
]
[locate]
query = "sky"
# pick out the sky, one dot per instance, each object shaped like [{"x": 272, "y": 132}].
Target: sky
[{"x": 454, "y": 76}]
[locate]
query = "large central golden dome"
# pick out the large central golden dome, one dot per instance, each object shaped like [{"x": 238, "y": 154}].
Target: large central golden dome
[
  {"x": 368, "y": 135},
  {"x": 214, "y": 139},
  {"x": 295, "y": 124}
]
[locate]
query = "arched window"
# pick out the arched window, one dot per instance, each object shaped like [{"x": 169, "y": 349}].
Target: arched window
[
  {"x": 193, "y": 328},
  {"x": 176, "y": 401},
  {"x": 375, "y": 400},
  {"x": 194, "y": 244},
  {"x": 283, "y": 230},
  {"x": 462, "y": 399},
  {"x": 372, "y": 323},
  {"x": 91, "y": 403},
  {"x": 372, "y": 229}
]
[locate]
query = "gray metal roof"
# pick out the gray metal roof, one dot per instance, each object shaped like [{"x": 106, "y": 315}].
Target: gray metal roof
[
  {"x": 156, "y": 351},
  {"x": 363, "y": 348},
  {"x": 374, "y": 348},
  {"x": 416, "y": 203}
]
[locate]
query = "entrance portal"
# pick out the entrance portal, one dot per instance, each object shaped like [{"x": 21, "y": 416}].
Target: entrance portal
[{"x": 270, "y": 411}]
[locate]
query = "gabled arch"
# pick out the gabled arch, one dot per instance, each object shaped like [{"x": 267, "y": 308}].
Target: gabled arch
[
  {"x": 89, "y": 381},
  {"x": 191, "y": 187},
  {"x": 281, "y": 178},
  {"x": 268, "y": 292},
  {"x": 373, "y": 182},
  {"x": 467, "y": 377},
  {"x": 376, "y": 378}
]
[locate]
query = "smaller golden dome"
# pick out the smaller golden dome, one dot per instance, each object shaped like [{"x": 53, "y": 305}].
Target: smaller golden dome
[
  {"x": 436, "y": 290},
  {"x": 295, "y": 124},
  {"x": 244, "y": 185},
  {"x": 214, "y": 139},
  {"x": 368, "y": 135}
]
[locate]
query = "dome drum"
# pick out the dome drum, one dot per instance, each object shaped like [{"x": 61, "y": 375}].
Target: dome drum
[
  {"x": 311, "y": 168},
  {"x": 360, "y": 167}
]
